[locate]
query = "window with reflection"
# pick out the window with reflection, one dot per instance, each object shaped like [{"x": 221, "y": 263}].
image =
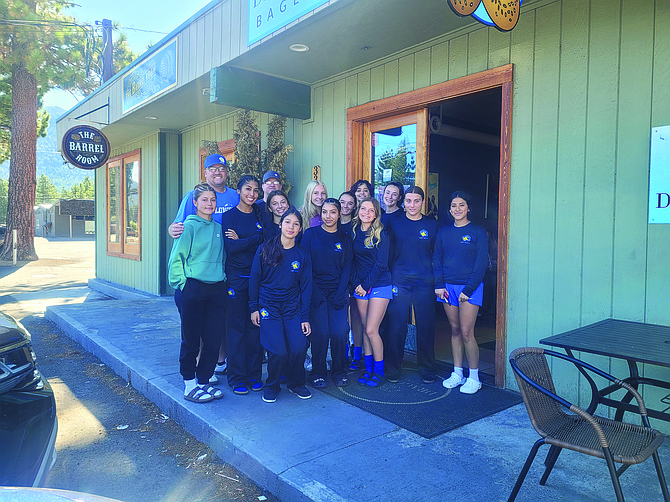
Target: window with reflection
[{"x": 124, "y": 206}]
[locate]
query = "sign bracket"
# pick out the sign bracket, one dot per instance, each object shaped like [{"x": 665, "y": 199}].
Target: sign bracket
[{"x": 95, "y": 110}]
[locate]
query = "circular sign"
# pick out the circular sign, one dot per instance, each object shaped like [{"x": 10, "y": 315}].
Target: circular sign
[{"x": 85, "y": 147}]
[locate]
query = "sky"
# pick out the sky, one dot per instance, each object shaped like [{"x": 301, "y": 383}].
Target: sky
[{"x": 154, "y": 15}]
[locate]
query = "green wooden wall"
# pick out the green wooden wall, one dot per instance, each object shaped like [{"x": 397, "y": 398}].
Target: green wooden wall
[
  {"x": 590, "y": 80},
  {"x": 144, "y": 275}
]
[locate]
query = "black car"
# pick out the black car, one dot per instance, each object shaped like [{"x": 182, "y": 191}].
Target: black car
[{"x": 28, "y": 423}]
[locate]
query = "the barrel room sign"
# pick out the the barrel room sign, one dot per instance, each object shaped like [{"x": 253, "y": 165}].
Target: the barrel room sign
[{"x": 85, "y": 147}]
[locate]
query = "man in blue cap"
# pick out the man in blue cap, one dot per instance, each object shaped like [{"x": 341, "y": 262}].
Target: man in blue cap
[
  {"x": 271, "y": 182},
  {"x": 216, "y": 175}
]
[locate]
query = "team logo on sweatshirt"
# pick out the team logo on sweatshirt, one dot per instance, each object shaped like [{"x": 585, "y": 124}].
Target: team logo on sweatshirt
[
  {"x": 259, "y": 226},
  {"x": 338, "y": 247},
  {"x": 264, "y": 314},
  {"x": 423, "y": 234},
  {"x": 295, "y": 266},
  {"x": 231, "y": 293},
  {"x": 466, "y": 239}
]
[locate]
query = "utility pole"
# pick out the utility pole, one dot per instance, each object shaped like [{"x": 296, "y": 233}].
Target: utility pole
[{"x": 107, "y": 45}]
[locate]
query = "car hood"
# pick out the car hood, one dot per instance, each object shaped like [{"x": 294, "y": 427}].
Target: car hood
[{"x": 12, "y": 332}]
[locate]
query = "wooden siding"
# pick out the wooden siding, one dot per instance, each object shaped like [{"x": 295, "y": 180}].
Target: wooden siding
[
  {"x": 209, "y": 41},
  {"x": 590, "y": 80},
  {"x": 144, "y": 274}
]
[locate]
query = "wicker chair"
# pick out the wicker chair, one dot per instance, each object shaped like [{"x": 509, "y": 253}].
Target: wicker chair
[{"x": 579, "y": 431}]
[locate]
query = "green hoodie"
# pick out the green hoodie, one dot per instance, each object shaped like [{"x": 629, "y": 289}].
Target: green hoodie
[{"x": 197, "y": 253}]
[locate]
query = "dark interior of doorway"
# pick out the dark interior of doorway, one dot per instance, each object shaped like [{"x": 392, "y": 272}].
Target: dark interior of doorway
[{"x": 464, "y": 155}]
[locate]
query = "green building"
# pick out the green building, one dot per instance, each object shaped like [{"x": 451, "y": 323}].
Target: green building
[{"x": 548, "y": 125}]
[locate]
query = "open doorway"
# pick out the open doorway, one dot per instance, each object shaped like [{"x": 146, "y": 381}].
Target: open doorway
[
  {"x": 469, "y": 149},
  {"x": 464, "y": 154}
]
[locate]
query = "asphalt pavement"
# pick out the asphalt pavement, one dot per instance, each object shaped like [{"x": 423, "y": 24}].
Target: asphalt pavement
[
  {"x": 112, "y": 441},
  {"x": 323, "y": 449}
]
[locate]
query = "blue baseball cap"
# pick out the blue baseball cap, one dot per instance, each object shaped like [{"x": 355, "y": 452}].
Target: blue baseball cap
[
  {"x": 215, "y": 159},
  {"x": 271, "y": 174}
]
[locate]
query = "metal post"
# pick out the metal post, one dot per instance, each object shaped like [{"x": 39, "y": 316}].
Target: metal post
[{"x": 14, "y": 237}]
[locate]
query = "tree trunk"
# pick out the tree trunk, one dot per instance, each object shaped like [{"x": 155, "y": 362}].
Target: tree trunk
[{"x": 22, "y": 166}]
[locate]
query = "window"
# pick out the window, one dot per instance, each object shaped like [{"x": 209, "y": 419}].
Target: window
[{"x": 124, "y": 216}]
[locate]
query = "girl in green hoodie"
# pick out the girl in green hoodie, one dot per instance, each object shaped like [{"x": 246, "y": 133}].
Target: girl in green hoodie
[{"x": 196, "y": 271}]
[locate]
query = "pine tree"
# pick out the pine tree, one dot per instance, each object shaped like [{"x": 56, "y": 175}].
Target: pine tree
[
  {"x": 247, "y": 148},
  {"x": 41, "y": 49},
  {"x": 276, "y": 154},
  {"x": 46, "y": 192}
]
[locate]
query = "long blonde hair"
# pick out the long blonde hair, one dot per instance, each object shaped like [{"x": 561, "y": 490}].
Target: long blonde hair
[
  {"x": 374, "y": 232},
  {"x": 308, "y": 209}
]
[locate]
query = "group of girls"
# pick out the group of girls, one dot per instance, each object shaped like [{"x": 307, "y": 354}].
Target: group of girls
[{"x": 298, "y": 277}]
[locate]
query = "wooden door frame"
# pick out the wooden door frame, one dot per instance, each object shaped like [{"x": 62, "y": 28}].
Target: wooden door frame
[{"x": 421, "y": 99}]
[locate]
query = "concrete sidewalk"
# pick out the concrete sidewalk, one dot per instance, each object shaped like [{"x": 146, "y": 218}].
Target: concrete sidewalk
[{"x": 323, "y": 449}]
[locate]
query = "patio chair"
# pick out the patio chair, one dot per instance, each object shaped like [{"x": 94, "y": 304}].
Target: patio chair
[{"x": 580, "y": 431}]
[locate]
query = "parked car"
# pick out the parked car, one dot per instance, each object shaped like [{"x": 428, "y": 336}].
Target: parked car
[
  {"x": 28, "y": 423},
  {"x": 14, "y": 494}
]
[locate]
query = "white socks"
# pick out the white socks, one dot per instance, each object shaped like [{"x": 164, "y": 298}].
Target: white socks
[
  {"x": 189, "y": 385},
  {"x": 458, "y": 371},
  {"x": 474, "y": 374}
]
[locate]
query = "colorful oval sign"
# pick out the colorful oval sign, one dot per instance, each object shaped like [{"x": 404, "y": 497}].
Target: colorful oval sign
[{"x": 85, "y": 147}]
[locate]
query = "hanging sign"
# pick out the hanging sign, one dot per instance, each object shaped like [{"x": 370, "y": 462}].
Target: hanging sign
[
  {"x": 501, "y": 15},
  {"x": 659, "y": 175},
  {"x": 85, "y": 147}
]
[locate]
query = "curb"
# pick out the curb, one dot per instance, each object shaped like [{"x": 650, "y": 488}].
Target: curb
[{"x": 288, "y": 485}]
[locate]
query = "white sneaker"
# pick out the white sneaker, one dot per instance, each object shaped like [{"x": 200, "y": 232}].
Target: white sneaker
[
  {"x": 213, "y": 379},
  {"x": 453, "y": 381},
  {"x": 470, "y": 386}
]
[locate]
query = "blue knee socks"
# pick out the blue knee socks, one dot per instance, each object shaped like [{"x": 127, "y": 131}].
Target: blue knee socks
[
  {"x": 369, "y": 364},
  {"x": 379, "y": 368}
]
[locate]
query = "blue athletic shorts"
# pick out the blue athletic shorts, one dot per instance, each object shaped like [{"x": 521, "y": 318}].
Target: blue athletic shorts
[
  {"x": 380, "y": 292},
  {"x": 454, "y": 291}
]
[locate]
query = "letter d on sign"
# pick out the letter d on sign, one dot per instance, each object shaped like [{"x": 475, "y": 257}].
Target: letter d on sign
[{"x": 663, "y": 200}]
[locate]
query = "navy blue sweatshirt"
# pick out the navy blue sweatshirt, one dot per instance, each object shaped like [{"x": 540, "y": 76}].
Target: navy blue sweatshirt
[
  {"x": 241, "y": 251},
  {"x": 413, "y": 242},
  {"x": 332, "y": 255},
  {"x": 387, "y": 217},
  {"x": 371, "y": 264},
  {"x": 290, "y": 278},
  {"x": 461, "y": 256}
]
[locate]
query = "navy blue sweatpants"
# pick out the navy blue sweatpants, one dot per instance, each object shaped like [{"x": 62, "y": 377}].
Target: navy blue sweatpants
[
  {"x": 423, "y": 300},
  {"x": 282, "y": 337},
  {"x": 243, "y": 342},
  {"x": 202, "y": 310},
  {"x": 329, "y": 324}
]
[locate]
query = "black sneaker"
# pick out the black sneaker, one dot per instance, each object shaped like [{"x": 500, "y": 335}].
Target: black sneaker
[
  {"x": 269, "y": 395},
  {"x": 428, "y": 379},
  {"x": 301, "y": 392},
  {"x": 392, "y": 377}
]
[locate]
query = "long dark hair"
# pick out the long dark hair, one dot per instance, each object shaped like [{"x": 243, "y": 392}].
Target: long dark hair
[
  {"x": 254, "y": 207},
  {"x": 272, "y": 195},
  {"x": 272, "y": 252},
  {"x": 401, "y": 192},
  {"x": 355, "y": 186},
  {"x": 335, "y": 202}
]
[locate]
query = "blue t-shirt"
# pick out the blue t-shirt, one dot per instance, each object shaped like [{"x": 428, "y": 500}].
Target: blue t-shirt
[{"x": 224, "y": 202}]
